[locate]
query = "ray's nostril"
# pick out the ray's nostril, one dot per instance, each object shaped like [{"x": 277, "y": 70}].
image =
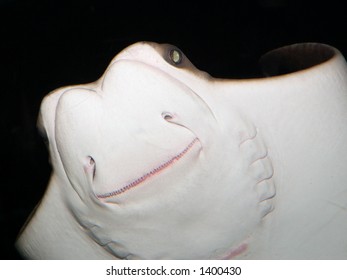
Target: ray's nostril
[
  {"x": 91, "y": 161},
  {"x": 167, "y": 116},
  {"x": 92, "y": 166}
]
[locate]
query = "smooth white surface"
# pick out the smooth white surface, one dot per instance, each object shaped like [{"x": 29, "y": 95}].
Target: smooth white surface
[
  {"x": 191, "y": 269},
  {"x": 262, "y": 144}
]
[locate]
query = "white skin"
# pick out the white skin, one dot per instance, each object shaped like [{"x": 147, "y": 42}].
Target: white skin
[
  {"x": 157, "y": 172},
  {"x": 157, "y": 159}
]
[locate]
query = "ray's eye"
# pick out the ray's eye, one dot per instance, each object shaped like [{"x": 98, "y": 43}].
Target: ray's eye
[{"x": 175, "y": 56}]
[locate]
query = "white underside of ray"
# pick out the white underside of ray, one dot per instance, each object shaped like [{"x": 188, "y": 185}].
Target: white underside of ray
[
  {"x": 265, "y": 177},
  {"x": 302, "y": 120}
]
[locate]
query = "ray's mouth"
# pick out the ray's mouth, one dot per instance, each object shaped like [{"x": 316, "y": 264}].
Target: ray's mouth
[{"x": 150, "y": 174}]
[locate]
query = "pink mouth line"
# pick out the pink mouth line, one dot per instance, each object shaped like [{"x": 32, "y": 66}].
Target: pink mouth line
[{"x": 150, "y": 174}]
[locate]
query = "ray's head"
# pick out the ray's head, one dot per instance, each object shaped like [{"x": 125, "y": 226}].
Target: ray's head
[{"x": 139, "y": 120}]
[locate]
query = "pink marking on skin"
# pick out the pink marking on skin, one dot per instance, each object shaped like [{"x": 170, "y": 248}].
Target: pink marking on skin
[
  {"x": 150, "y": 174},
  {"x": 235, "y": 252}
]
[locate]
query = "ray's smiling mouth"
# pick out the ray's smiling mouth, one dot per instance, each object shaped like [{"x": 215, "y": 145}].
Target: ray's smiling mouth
[
  {"x": 174, "y": 57},
  {"x": 147, "y": 175}
]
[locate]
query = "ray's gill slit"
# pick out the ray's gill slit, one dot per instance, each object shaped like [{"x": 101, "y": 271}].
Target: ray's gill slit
[{"x": 149, "y": 174}]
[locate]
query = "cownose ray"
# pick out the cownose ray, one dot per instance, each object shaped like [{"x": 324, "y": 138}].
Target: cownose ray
[{"x": 159, "y": 160}]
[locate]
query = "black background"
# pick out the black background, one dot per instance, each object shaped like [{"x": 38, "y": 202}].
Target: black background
[{"x": 48, "y": 44}]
